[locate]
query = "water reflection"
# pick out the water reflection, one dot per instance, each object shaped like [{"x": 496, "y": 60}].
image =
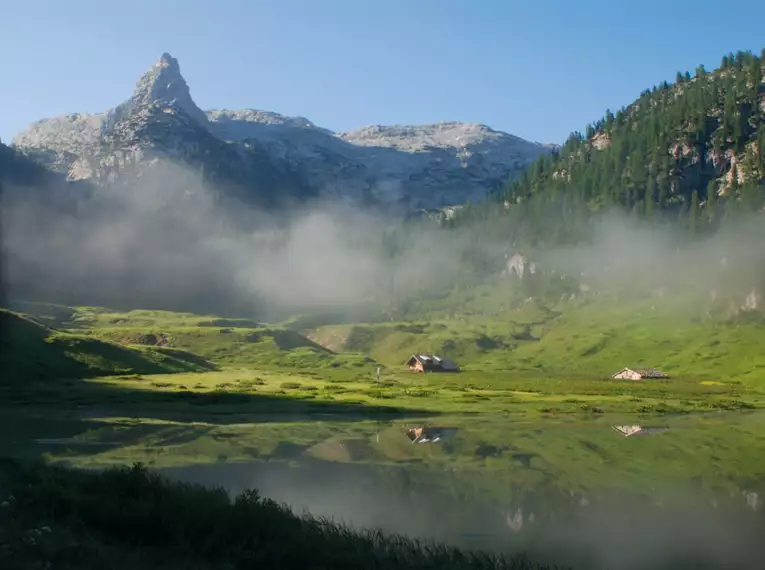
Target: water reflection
[
  {"x": 593, "y": 529},
  {"x": 570, "y": 490}
]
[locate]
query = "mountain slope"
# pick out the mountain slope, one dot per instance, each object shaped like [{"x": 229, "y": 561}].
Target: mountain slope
[
  {"x": 265, "y": 154},
  {"x": 31, "y": 351},
  {"x": 682, "y": 149}
]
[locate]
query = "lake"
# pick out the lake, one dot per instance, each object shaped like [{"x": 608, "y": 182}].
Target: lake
[{"x": 622, "y": 492}]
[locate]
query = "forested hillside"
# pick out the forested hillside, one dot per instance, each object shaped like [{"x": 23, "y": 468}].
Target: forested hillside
[{"x": 689, "y": 151}]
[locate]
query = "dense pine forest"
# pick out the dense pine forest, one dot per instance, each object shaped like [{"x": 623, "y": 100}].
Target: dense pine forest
[{"x": 688, "y": 152}]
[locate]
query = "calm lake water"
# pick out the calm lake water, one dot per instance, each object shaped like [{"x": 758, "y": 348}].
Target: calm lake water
[{"x": 618, "y": 492}]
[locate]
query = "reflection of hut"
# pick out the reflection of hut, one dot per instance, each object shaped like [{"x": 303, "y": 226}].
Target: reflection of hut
[
  {"x": 638, "y": 374},
  {"x": 515, "y": 520},
  {"x": 430, "y": 363},
  {"x": 429, "y": 434},
  {"x": 628, "y": 431}
]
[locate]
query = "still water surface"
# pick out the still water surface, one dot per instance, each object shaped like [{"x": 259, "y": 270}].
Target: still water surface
[{"x": 574, "y": 490}]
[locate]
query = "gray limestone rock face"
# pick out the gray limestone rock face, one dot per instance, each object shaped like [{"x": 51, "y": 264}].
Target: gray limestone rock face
[
  {"x": 417, "y": 167},
  {"x": 162, "y": 84}
]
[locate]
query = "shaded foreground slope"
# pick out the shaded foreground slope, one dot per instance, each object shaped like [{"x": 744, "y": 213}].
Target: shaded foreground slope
[
  {"x": 33, "y": 351},
  {"x": 128, "y": 518}
]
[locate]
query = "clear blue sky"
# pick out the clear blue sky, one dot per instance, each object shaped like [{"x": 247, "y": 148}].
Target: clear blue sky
[{"x": 535, "y": 68}]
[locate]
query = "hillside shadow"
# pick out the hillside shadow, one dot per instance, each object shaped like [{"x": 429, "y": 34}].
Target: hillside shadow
[
  {"x": 286, "y": 340},
  {"x": 33, "y": 351},
  {"x": 81, "y": 397},
  {"x": 186, "y": 356},
  {"x": 75, "y": 418}
]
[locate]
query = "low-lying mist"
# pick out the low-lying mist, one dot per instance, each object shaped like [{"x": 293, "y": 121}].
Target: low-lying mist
[
  {"x": 166, "y": 240},
  {"x": 169, "y": 240}
]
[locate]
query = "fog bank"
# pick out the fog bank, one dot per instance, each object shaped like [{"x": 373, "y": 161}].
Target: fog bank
[{"x": 169, "y": 240}]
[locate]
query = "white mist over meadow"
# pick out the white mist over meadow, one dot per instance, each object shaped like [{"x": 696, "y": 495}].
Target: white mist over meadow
[{"x": 167, "y": 240}]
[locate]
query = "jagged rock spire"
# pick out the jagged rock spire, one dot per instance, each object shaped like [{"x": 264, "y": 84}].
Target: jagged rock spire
[{"x": 163, "y": 83}]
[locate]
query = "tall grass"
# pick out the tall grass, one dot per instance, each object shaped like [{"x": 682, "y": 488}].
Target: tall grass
[{"x": 176, "y": 525}]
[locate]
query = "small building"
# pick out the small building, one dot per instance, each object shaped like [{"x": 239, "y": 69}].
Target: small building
[
  {"x": 638, "y": 374},
  {"x": 430, "y": 363}
]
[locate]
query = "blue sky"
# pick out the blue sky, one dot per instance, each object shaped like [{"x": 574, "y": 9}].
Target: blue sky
[{"x": 538, "y": 68}]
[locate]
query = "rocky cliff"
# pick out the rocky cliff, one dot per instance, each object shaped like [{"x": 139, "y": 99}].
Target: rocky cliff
[{"x": 269, "y": 156}]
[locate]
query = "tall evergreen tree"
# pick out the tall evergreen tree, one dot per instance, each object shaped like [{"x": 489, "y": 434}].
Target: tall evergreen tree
[
  {"x": 693, "y": 213},
  {"x": 711, "y": 202}
]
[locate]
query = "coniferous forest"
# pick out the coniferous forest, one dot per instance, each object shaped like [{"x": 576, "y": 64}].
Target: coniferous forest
[{"x": 686, "y": 153}]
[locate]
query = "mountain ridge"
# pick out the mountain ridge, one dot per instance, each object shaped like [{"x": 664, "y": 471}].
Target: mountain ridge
[{"x": 418, "y": 166}]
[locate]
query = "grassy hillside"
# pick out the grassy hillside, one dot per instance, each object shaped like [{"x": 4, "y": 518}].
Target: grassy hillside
[
  {"x": 589, "y": 337},
  {"x": 225, "y": 341},
  {"x": 601, "y": 339},
  {"x": 581, "y": 338},
  {"x": 32, "y": 351}
]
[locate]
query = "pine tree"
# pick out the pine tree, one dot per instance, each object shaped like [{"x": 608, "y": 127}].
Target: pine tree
[
  {"x": 711, "y": 200},
  {"x": 663, "y": 191},
  {"x": 650, "y": 197},
  {"x": 751, "y": 197},
  {"x": 748, "y": 167},
  {"x": 755, "y": 78},
  {"x": 694, "y": 212},
  {"x": 609, "y": 119},
  {"x": 733, "y": 188}
]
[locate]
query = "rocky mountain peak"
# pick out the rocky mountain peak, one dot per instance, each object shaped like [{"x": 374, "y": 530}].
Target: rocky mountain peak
[{"x": 163, "y": 84}]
